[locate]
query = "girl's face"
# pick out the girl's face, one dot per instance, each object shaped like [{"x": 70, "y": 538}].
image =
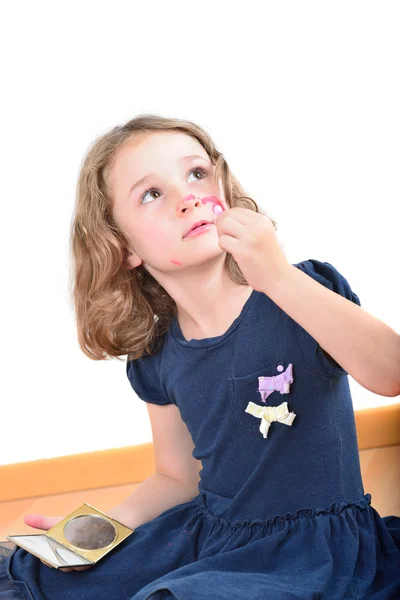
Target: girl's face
[{"x": 157, "y": 212}]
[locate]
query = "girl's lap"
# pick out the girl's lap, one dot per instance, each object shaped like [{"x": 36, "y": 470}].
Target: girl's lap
[
  {"x": 9, "y": 589},
  {"x": 151, "y": 551}
]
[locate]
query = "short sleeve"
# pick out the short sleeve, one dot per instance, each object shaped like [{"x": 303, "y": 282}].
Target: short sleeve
[
  {"x": 329, "y": 276},
  {"x": 145, "y": 378}
]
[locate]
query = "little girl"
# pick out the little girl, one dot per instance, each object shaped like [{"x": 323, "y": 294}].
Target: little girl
[{"x": 243, "y": 359}]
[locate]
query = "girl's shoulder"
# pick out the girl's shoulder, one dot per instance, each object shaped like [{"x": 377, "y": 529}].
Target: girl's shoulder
[
  {"x": 329, "y": 276},
  {"x": 144, "y": 375}
]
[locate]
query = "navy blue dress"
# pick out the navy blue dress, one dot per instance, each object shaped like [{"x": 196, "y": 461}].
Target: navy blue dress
[{"x": 281, "y": 511}]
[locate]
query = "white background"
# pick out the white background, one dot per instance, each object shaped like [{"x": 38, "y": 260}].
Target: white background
[{"x": 303, "y": 100}]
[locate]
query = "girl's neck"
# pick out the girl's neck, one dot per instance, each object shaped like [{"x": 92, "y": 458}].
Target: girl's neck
[{"x": 221, "y": 318}]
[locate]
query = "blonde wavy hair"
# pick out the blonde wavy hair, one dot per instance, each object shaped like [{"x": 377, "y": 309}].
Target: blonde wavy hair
[{"x": 121, "y": 311}]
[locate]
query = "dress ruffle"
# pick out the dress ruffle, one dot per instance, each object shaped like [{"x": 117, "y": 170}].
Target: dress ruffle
[
  {"x": 335, "y": 508},
  {"x": 346, "y": 551}
]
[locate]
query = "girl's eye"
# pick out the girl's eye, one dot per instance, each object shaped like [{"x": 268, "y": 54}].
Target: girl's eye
[{"x": 154, "y": 190}]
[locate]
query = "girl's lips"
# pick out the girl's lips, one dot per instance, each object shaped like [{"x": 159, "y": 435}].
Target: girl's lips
[
  {"x": 199, "y": 230},
  {"x": 217, "y": 207},
  {"x": 198, "y": 224}
]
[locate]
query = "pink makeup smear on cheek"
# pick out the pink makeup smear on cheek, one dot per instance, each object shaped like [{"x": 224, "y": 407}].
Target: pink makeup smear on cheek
[
  {"x": 176, "y": 262},
  {"x": 212, "y": 199}
]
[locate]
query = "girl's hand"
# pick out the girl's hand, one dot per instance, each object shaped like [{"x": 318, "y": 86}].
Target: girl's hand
[
  {"x": 250, "y": 237},
  {"x": 46, "y": 523}
]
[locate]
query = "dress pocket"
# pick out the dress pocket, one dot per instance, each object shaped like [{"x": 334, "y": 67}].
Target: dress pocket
[{"x": 267, "y": 387}]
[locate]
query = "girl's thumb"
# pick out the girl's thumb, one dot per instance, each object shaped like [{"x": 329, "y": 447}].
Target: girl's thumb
[{"x": 41, "y": 522}]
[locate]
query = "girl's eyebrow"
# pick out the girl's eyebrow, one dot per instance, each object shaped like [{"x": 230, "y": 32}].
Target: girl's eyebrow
[{"x": 185, "y": 159}]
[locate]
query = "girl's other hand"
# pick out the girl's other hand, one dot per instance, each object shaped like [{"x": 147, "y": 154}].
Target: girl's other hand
[{"x": 46, "y": 523}]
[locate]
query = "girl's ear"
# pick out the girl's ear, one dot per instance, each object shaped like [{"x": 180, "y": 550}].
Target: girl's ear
[{"x": 131, "y": 260}]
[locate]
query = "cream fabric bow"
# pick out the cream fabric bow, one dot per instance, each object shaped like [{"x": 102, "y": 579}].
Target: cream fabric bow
[{"x": 269, "y": 414}]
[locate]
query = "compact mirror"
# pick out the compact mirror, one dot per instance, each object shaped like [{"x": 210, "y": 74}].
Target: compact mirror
[
  {"x": 90, "y": 532},
  {"x": 82, "y": 538}
]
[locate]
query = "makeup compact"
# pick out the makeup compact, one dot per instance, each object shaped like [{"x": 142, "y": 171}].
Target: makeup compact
[{"x": 81, "y": 539}]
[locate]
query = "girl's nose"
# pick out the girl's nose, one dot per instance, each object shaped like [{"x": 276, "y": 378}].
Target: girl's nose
[{"x": 193, "y": 200}]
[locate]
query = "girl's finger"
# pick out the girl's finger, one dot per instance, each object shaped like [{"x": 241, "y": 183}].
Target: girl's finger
[
  {"x": 230, "y": 227},
  {"x": 66, "y": 569},
  {"x": 41, "y": 521},
  {"x": 237, "y": 213}
]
